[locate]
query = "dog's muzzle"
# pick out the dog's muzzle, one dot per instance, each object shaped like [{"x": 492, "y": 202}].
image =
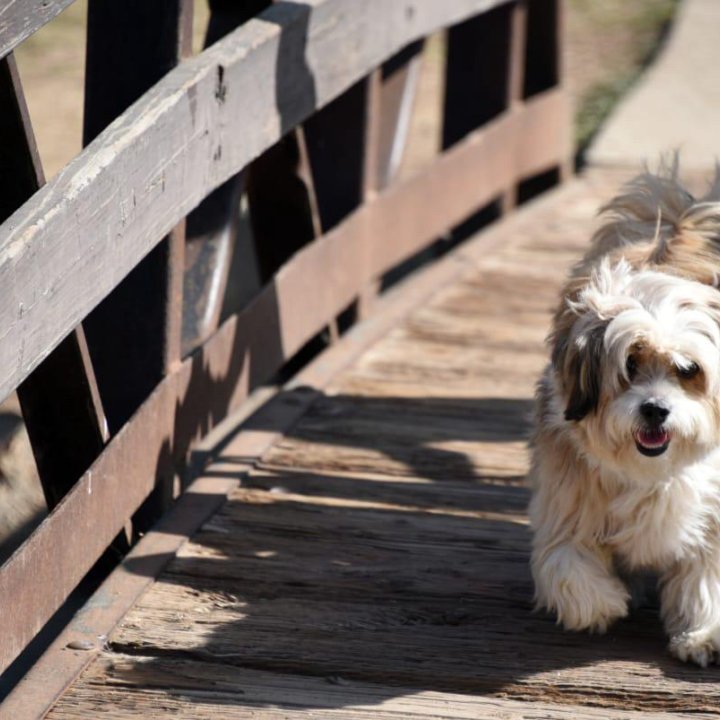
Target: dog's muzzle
[{"x": 653, "y": 439}]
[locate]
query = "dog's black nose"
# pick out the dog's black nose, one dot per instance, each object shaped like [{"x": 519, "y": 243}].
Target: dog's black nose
[{"x": 653, "y": 412}]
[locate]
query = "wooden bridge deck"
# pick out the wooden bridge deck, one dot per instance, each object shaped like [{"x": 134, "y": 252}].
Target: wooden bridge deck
[{"x": 373, "y": 562}]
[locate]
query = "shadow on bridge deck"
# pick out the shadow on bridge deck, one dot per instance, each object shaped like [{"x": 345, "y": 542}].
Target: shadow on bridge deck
[{"x": 374, "y": 562}]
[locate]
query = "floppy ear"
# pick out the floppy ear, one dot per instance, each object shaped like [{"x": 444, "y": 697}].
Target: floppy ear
[{"x": 579, "y": 363}]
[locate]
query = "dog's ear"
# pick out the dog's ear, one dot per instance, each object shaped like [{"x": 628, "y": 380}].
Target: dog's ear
[{"x": 580, "y": 365}]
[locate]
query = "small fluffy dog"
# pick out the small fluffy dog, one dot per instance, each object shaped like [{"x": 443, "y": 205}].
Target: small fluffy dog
[{"x": 626, "y": 452}]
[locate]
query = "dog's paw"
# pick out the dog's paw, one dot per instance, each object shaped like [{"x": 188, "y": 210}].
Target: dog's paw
[
  {"x": 581, "y": 592},
  {"x": 701, "y": 647},
  {"x": 580, "y": 606}
]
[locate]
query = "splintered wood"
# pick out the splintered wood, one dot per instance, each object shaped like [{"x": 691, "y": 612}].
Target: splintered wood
[{"x": 374, "y": 564}]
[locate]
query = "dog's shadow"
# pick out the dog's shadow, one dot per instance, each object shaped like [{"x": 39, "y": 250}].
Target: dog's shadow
[{"x": 406, "y": 584}]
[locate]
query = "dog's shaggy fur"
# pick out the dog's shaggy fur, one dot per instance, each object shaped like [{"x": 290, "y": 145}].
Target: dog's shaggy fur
[{"x": 626, "y": 453}]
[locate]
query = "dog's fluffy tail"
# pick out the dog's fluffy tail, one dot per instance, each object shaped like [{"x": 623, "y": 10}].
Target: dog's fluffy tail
[{"x": 655, "y": 206}]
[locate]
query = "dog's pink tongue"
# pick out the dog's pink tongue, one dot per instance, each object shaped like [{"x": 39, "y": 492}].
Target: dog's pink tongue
[{"x": 652, "y": 438}]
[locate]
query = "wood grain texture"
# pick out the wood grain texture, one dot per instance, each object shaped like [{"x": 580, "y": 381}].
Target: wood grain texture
[
  {"x": 189, "y": 690},
  {"x": 184, "y": 407},
  {"x": 70, "y": 245},
  {"x": 374, "y": 562},
  {"x": 56, "y": 669},
  {"x": 19, "y": 19}
]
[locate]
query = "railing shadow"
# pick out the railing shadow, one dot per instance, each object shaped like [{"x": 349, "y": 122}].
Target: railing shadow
[
  {"x": 416, "y": 433},
  {"x": 414, "y": 582}
]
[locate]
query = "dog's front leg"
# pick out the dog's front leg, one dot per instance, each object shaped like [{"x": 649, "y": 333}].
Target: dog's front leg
[
  {"x": 691, "y": 608},
  {"x": 578, "y": 583},
  {"x": 573, "y": 572}
]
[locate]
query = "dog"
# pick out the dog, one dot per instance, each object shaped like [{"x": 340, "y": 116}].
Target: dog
[{"x": 625, "y": 469}]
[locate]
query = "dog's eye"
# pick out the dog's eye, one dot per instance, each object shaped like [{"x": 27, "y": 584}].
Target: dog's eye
[
  {"x": 688, "y": 371},
  {"x": 631, "y": 366}
]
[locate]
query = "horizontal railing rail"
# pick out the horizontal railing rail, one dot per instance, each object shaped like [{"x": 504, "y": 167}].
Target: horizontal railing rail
[{"x": 81, "y": 234}]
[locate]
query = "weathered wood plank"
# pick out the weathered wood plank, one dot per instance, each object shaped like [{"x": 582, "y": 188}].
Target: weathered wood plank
[
  {"x": 320, "y": 595},
  {"x": 465, "y": 627},
  {"x": 60, "y": 254},
  {"x": 126, "y": 686},
  {"x": 57, "y": 668},
  {"x": 19, "y": 19},
  {"x": 245, "y": 352},
  {"x": 419, "y": 581},
  {"x": 205, "y": 389}
]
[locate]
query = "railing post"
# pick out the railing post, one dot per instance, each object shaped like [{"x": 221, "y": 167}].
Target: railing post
[
  {"x": 544, "y": 61},
  {"x": 516, "y": 79},
  {"x": 59, "y": 400},
  {"x": 212, "y": 228},
  {"x": 544, "y": 70},
  {"x": 283, "y": 205},
  {"x": 477, "y": 85},
  {"x": 476, "y": 73},
  {"x": 134, "y": 335},
  {"x": 390, "y": 98}
]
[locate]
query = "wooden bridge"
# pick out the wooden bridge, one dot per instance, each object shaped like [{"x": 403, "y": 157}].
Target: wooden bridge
[{"x": 290, "y": 383}]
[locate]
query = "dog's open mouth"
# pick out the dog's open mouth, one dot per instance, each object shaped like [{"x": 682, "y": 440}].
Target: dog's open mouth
[{"x": 652, "y": 442}]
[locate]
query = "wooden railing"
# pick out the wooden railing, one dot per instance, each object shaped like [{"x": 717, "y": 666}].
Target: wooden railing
[{"x": 113, "y": 274}]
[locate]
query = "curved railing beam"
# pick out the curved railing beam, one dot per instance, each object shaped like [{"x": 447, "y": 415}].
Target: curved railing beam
[{"x": 75, "y": 240}]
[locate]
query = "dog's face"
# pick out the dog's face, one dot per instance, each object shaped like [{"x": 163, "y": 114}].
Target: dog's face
[{"x": 639, "y": 368}]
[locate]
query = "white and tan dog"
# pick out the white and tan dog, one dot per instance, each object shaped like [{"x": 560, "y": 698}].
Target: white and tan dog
[{"x": 626, "y": 452}]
